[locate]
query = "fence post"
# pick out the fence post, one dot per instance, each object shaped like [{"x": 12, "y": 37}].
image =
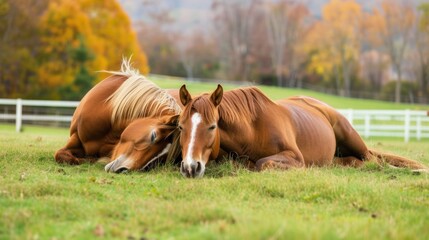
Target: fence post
[
  {"x": 367, "y": 124},
  {"x": 407, "y": 125},
  {"x": 18, "y": 121},
  {"x": 350, "y": 115},
  {"x": 419, "y": 128}
]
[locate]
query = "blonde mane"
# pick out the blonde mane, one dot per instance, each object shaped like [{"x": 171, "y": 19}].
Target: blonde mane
[
  {"x": 243, "y": 104},
  {"x": 138, "y": 97}
]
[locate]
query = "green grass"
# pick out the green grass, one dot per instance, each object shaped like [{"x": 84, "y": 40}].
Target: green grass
[{"x": 40, "y": 199}]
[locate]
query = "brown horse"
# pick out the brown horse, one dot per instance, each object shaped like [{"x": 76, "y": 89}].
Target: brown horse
[
  {"x": 125, "y": 118},
  {"x": 290, "y": 133}
]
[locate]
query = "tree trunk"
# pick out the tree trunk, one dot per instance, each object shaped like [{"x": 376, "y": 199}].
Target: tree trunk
[
  {"x": 398, "y": 86},
  {"x": 337, "y": 81},
  {"x": 279, "y": 75},
  {"x": 424, "y": 85},
  {"x": 346, "y": 78}
]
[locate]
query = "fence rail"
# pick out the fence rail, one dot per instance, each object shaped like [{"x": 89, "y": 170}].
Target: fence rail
[{"x": 406, "y": 124}]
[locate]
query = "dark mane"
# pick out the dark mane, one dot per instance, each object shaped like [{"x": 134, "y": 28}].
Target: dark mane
[{"x": 238, "y": 104}]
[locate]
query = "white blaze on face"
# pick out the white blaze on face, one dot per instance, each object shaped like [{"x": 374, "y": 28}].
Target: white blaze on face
[{"x": 196, "y": 119}]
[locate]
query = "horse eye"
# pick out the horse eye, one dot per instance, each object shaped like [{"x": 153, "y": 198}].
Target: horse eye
[
  {"x": 180, "y": 128},
  {"x": 212, "y": 127},
  {"x": 153, "y": 137}
]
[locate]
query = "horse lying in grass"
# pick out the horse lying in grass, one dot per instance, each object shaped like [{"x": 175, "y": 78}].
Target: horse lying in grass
[
  {"x": 125, "y": 118},
  {"x": 290, "y": 133}
]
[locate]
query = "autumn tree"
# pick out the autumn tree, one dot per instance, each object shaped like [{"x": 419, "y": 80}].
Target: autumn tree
[
  {"x": 19, "y": 43},
  {"x": 396, "y": 19},
  {"x": 197, "y": 54},
  {"x": 422, "y": 47},
  {"x": 322, "y": 61},
  {"x": 333, "y": 43},
  {"x": 115, "y": 38},
  {"x": 343, "y": 20},
  {"x": 233, "y": 23},
  {"x": 83, "y": 80},
  {"x": 286, "y": 28},
  {"x": 107, "y": 33},
  {"x": 375, "y": 63},
  {"x": 158, "y": 40},
  {"x": 61, "y": 26}
]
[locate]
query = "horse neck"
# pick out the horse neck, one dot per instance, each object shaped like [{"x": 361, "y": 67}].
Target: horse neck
[
  {"x": 216, "y": 146},
  {"x": 234, "y": 134}
]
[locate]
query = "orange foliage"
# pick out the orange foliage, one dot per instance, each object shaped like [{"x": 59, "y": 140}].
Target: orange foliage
[
  {"x": 103, "y": 25},
  {"x": 335, "y": 41}
]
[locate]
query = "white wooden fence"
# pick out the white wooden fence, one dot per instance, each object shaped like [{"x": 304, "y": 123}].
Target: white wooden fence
[
  {"x": 19, "y": 117},
  {"x": 405, "y": 124}
]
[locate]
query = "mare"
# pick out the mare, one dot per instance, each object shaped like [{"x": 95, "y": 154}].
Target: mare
[
  {"x": 295, "y": 132},
  {"x": 126, "y": 119}
]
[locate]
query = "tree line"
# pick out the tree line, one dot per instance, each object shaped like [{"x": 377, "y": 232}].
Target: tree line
[
  {"x": 51, "y": 49},
  {"x": 348, "y": 50}
]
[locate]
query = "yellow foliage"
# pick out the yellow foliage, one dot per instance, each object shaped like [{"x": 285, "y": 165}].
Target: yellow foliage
[
  {"x": 335, "y": 38},
  {"x": 105, "y": 28}
]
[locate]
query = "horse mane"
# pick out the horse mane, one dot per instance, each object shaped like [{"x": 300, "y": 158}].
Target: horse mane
[
  {"x": 237, "y": 105},
  {"x": 138, "y": 97},
  {"x": 243, "y": 103}
]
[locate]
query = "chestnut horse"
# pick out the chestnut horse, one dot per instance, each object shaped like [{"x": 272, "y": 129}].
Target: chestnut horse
[
  {"x": 290, "y": 133},
  {"x": 125, "y": 118}
]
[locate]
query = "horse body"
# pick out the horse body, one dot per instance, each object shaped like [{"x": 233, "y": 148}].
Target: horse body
[
  {"x": 285, "y": 129},
  {"x": 123, "y": 109},
  {"x": 91, "y": 121},
  {"x": 294, "y": 132},
  {"x": 91, "y": 131}
]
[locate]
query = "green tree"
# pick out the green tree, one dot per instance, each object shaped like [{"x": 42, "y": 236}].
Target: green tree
[{"x": 83, "y": 80}]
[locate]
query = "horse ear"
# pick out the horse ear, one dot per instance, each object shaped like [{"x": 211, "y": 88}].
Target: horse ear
[
  {"x": 217, "y": 95},
  {"x": 171, "y": 120},
  {"x": 185, "y": 97}
]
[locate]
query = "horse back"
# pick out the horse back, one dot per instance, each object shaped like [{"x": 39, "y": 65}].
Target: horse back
[{"x": 314, "y": 134}]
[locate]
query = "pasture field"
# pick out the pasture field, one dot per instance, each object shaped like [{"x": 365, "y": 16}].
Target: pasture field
[
  {"x": 279, "y": 93},
  {"x": 40, "y": 199}
]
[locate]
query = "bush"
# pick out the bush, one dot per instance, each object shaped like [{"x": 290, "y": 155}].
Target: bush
[{"x": 409, "y": 90}]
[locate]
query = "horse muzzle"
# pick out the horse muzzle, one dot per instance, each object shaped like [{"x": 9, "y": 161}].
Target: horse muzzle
[
  {"x": 192, "y": 169},
  {"x": 118, "y": 165}
]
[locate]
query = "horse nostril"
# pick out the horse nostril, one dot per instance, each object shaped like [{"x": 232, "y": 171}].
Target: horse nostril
[
  {"x": 199, "y": 167},
  {"x": 184, "y": 170},
  {"x": 122, "y": 170},
  {"x": 192, "y": 169}
]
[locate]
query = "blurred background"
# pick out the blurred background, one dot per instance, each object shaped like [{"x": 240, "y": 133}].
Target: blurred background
[{"x": 377, "y": 49}]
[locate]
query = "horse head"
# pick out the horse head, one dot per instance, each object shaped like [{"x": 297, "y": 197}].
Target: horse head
[
  {"x": 199, "y": 133},
  {"x": 145, "y": 140}
]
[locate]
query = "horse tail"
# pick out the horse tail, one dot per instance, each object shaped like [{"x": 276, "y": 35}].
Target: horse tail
[{"x": 398, "y": 161}]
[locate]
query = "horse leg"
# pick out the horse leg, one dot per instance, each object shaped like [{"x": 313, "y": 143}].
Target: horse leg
[
  {"x": 283, "y": 160},
  {"x": 72, "y": 152},
  {"x": 350, "y": 145},
  {"x": 348, "y": 161},
  {"x": 349, "y": 142}
]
